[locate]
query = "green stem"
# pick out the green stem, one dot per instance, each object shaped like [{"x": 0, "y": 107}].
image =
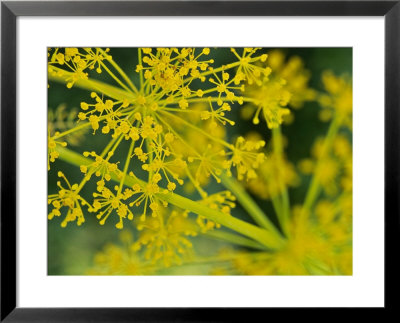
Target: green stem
[
  {"x": 250, "y": 205},
  {"x": 128, "y": 159},
  {"x": 214, "y": 260},
  {"x": 205, "y": 133},
  {"x": 60, "y": 75},
  {"x": 141, "y": 71},
  {"x": 276, "y": 203},
  {"x": 120, "y": 71},
  {"x": 115, "y": 77},
  {"x": 315, "y": 188},
  {"x": 234, "y": 238},
  {"x": 92, "y": 171},
  {"x": 267, "y": 238},
  {"x": 79, "y": 127},
  {"x": 216, "y": 70},
  {"x": 150, "y": 155},
  {"x": 284, "y": 215}
]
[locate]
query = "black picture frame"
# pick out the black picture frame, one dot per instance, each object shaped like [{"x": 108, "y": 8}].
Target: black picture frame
[{"x": 10, "y": 10}]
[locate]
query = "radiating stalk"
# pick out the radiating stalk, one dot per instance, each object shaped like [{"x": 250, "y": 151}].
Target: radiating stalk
[
  {"x": 268, "y": 238},
  {"x": 119, "y": 94},
  {"x": 284, "y": 214},
  {"x": 250, "y": 205},
  {"x": 234, "y": 238},
  {"x": 315, "y": 186}
]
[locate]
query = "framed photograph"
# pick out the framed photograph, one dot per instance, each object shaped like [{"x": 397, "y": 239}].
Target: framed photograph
[{"x": 197, "y": 160}]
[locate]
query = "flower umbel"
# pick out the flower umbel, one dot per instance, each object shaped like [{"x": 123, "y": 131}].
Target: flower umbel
[{"x": 157, "y": 150}]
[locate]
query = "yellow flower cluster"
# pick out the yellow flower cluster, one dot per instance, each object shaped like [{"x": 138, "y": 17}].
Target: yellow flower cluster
[
  {"x": 153, "y": 116},
  {"x": 165, "y": 237},
  {"x": 339, "y": 98},
  {"x": 53, "y": 153},
  {"x": 333, "y": 169},
  {"x": 79, "y": 62},
  {"x": 169, "y": 165},
  {"x": 285, "y": 84},
  {"x": 70, "y": 199},
  {"x": 61, "y": 119},
  {"x": 120, "y": 259},
  {"x": 274, "y": 176}
]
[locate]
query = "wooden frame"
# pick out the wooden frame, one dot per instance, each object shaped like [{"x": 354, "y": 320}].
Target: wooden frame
[{"x": 10, "y": 10}]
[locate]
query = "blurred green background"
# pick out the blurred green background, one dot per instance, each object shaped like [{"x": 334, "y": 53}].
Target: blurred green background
[{"x": 71, "y": 249}]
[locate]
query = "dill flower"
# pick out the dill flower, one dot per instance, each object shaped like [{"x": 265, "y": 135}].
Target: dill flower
[
  {"x": 297, "y": 77},
  {"x": 78, "y": 62},
  {"x": 107, "y": 201},
  {"x": 165, "y": 237},
  {"x": 270, "y": 100},
  {"x": 249, "y": 70},
  {"x": 246, "y": 157},
  {"x": 169, "y": 162},
  {"x": 322, "y": 248},
  {"x": 339, "y": 98},
  {"x": 118, "y": 259},
  {"x": 332, "y": 170},
  {"x": 223, "y": 201},
  {"x": 285, "y": 84},
  {"x": 69, "y": 198},
  {"x": 61, "y": 119},
  {"x": 274, "y": 175},
  {"x": 52, "y": 152},
  {"x": 114, "y": 260}
]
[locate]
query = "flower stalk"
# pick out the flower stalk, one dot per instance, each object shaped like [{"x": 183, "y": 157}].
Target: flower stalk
[{"x": 267, "y": 238}]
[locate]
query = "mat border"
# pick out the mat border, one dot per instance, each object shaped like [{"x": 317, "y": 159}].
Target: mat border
[{"x": 11, "y": 10}]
